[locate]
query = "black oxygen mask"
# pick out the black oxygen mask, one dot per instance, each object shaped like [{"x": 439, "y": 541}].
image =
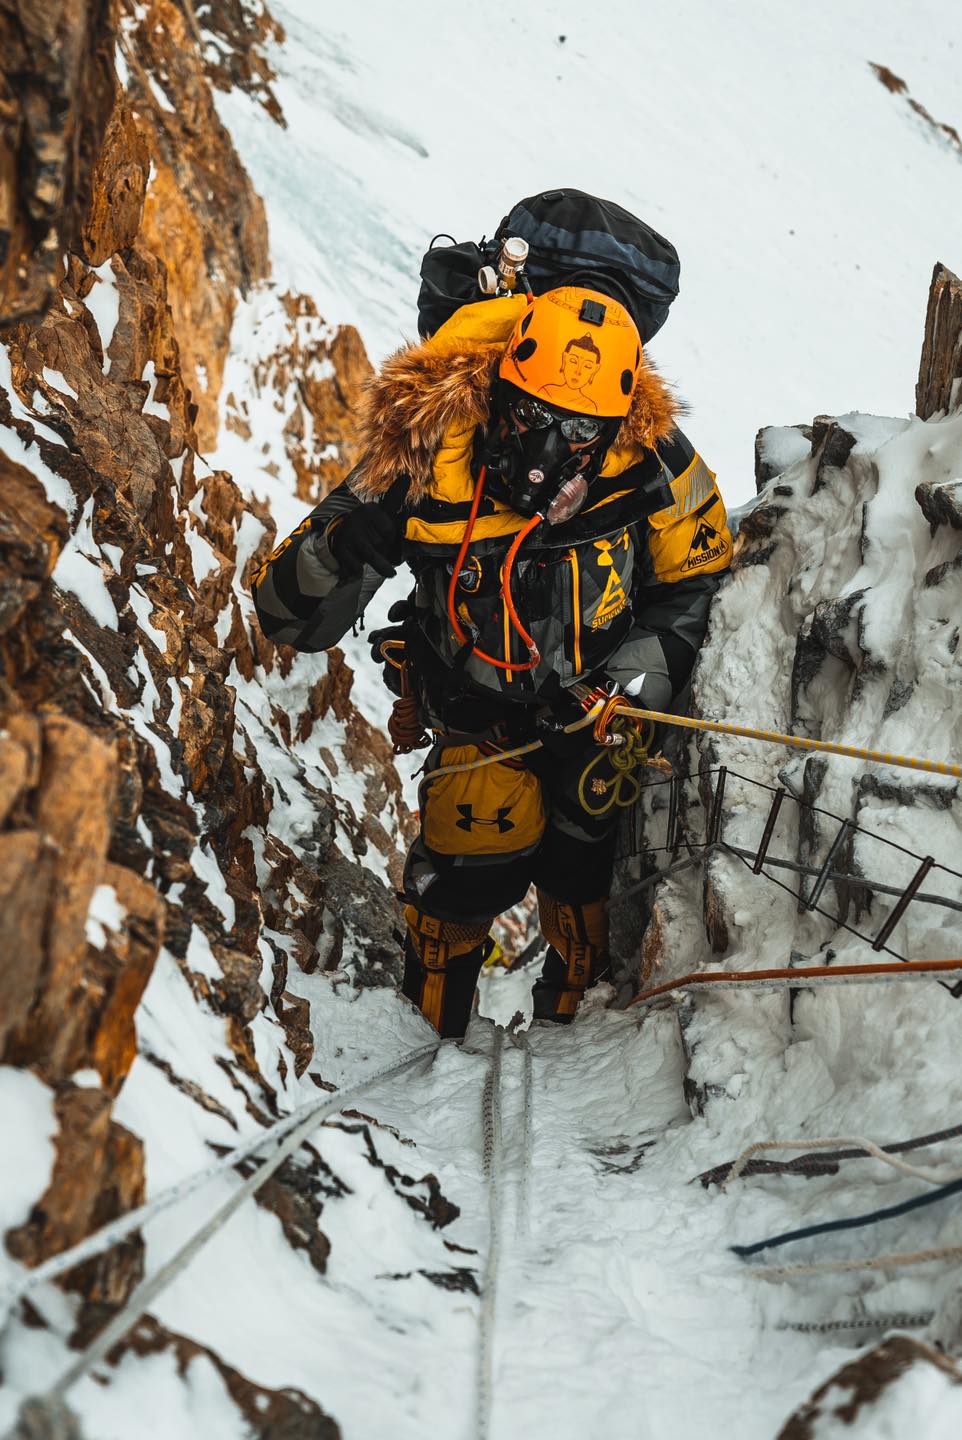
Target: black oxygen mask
[{"x": 544, "y": 456}]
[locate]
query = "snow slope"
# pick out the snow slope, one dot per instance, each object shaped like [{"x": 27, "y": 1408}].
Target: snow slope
[{"x": 808, "y": 204}]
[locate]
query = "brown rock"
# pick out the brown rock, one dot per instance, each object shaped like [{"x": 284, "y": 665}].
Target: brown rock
[
  {"x": 286, "y": 1414},
  {"x": 939, "y": 384},
  {"x": 653, "y": 945},
  {"x": 19, "y": 760},
  {"x": 202, "y": 213},
  {"x": 319, "y": 381},
  {"x": 73, "y": 814},
  {"x": 118, "y": 187},
  {"x": 56, "y": 94},
  {"x": 851, "y": 1396},
  {"x": 27, "y": 873},
  {"x": 84, "y": 800},
  {"x": 118, "y": 974},
  {"x": 97, "y": 1175},
  {"x": 32, "y": 533},
  {"x": 238, "y": 61}
]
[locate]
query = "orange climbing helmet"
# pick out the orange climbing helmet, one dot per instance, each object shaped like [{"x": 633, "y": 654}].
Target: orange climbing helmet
[{"x": 578, "y": 350}]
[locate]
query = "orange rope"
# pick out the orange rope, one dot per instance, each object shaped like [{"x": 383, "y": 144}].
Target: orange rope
[
  {"x": 456, "y": 626},
  {"x": 799, "y": 977}
]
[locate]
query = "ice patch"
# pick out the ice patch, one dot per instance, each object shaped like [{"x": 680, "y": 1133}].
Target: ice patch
[
  {"x": 104, "y": 913},
  {"x": 79, "y": 570},
  {"x": 103, "y": 302},
  {"x": 143, "y": 608},
  {"x": 205, "y": 867},
  {"x": 203, "y": 558},
  {"x": 56, "y": 381},
  {"x": 55, "y": 487}
]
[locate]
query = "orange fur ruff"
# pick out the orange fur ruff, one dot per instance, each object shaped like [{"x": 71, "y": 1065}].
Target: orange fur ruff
[{"x": 422, "y": 392}]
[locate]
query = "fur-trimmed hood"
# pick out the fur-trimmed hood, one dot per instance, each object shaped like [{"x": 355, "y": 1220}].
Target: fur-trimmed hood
[{"x": 426, "y": 390}]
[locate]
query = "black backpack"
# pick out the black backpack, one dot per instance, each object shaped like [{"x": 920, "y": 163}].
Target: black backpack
[{"x": 574, "y": 238}]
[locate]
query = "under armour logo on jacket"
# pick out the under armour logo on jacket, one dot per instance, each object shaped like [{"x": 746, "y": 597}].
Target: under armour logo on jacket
[{"x": 468, "y": 818}]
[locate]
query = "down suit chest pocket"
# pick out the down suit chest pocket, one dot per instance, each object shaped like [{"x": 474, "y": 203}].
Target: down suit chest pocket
[{"x": 604, "y": 573}]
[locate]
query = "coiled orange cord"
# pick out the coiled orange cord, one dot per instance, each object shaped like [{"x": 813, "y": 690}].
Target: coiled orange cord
[{"x": 456, "y": 626}]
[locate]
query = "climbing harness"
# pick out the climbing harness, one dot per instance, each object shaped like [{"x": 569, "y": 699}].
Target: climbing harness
[
  {"x": 500, "y": 756},
  {"x": 771, "y": 737},
  {"x": 602, "y": 716}
]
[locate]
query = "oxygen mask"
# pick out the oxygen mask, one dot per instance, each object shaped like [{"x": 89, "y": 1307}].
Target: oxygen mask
[{"x": 545, "y": 456}]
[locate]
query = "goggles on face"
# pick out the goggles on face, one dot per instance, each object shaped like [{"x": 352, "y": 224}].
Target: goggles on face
[{"x": 577, "y": 429}]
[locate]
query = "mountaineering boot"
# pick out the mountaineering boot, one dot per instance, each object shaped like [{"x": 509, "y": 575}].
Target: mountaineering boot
[
  {"x": 442, "y": 962},
  {"x": 578, "y": 955}
]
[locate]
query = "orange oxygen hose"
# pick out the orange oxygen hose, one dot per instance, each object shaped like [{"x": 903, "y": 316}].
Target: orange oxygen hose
[
  {"x": 456, "y": 626},
  {"x": 510, "y": 558}
]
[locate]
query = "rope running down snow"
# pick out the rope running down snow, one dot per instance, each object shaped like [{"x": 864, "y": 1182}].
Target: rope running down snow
[
  {"x": 527, "y": 1135},
  {"x": 851, "y": 1222},
  {"x": 491, "y": 1169},
  {"x": 827, "y": 1164},
  {"x": 803, "y": 976},
  {"x": 869, "y": 1146},
  {"x": 873, "y": 1262},
  {"x": 117, "y": 1230},
  {"x": 149, "y": 1289},
  {"x": 899, "y": 1321}
]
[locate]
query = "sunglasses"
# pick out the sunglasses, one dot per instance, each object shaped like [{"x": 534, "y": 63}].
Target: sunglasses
[{"x": 579, "y": 429}]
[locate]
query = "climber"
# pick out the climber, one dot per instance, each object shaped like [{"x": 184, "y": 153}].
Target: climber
[{"x": 565, "y": 541}]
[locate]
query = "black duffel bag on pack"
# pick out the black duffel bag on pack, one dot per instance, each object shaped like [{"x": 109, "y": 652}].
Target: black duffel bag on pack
[{"x": 574, "y": 238}]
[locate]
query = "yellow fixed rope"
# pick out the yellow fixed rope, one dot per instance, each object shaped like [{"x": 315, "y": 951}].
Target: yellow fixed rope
[
  {"x": 722, "y": 727},
  {"x": 795, "y": 742}
]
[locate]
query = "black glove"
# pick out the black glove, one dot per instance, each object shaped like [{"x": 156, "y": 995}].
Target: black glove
[
  {"x": 401, "y": 613},
  {"x": 555, "y": 738},
  {"x": 572, "y": 706},
  {"x": 367, "y": 535}
]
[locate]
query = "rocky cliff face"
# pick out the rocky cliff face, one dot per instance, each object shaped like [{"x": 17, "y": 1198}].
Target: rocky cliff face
[{"x": 171, "y": 786}]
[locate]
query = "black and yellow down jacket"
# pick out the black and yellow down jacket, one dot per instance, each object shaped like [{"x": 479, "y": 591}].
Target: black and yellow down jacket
[{"x": 623, "y": 587}]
